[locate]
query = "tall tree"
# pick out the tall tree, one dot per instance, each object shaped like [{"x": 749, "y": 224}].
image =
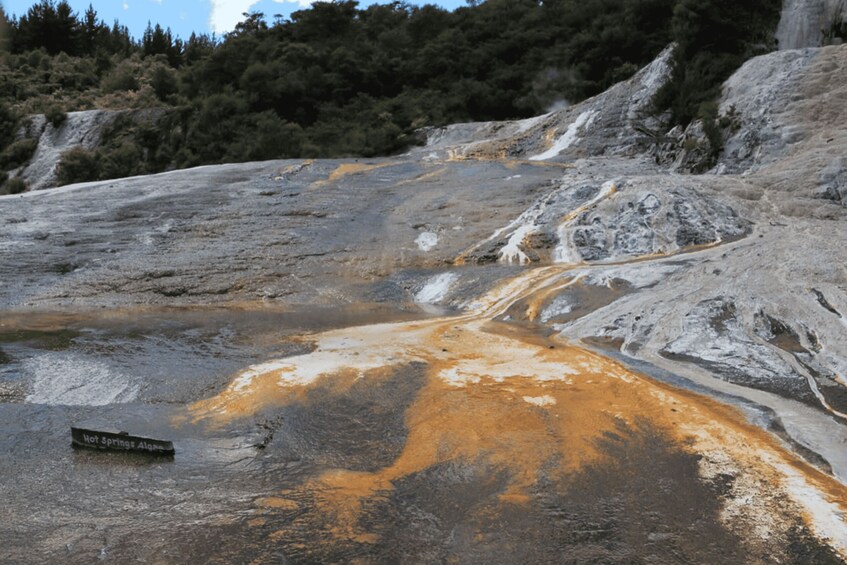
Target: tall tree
[{"x": 52, "y": 26}]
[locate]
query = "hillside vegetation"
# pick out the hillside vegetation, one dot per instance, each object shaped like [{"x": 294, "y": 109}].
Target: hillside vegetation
[{"x": 337, "y": 80}]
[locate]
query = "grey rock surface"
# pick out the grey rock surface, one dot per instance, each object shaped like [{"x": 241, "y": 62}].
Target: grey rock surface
[
  {"x": 804, "y": 23},
  {"x": 83, "y": 129},
  {"x": 251, "y": 232},
  {"x": 345, "y": 231},
  {"x": 80, "y": 129},
  {"x": 617, "y": 122}
]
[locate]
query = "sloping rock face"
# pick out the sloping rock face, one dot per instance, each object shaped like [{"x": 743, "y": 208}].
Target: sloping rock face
[
  {"x": 584, "y": 314},
  {"x": 794, "y": 143},
  {"x": 304, "y": 232},
  {"x": 617, "y": 122},
  {"x": 805, "y": 23},
  {"x": 80, "y": 129}
]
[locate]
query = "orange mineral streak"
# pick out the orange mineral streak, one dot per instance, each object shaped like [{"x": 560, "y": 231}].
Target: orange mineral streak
[
  {"x": 426, "y": 177},
  {"x": 537, "y": 301},
  {"x": 502, "y": 396},
  {"x": 576, "y": 212},
  {"x": 277, "y": 502},
  {"x": 347, "y": 169}
]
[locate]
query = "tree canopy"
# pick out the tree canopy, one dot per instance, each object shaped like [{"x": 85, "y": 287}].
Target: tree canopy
[{"x": 338, "y": 79}]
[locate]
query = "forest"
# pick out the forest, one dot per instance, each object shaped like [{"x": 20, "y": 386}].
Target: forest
[{"x": 339, "y": 80}]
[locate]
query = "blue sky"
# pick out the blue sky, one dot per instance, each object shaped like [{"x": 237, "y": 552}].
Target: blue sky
[{"x": 185, "y": 16}]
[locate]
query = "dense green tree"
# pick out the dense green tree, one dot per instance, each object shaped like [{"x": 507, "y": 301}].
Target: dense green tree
[
  {"x": 340, "y": 79},
  {"x": 4, "y": 31},
  {"x": 158, "y": 41},
  {"x": 17, "y": 153},
  {"x": 8, "y": 123},
  {"x": 713, "y": 39},
  {"x": 197, "y": 48},
  {"x": 94, "y": 35},
  {"x": 164, "y": 82},
  {"x": 53, "y": 27}
]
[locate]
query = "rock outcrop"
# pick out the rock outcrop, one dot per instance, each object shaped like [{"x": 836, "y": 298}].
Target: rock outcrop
[
  {"x": 809, "y": 23},
  {"x": 79, "y": 129},
  {"x": 618, "y": 122}
]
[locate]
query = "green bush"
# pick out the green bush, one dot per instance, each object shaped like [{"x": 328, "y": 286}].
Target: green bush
[
  {"x": 164, "y": 82},
  {"x": 55, "y": 116},
  {"x": 18, "y": 153},
  {"x": 15, "y": 185},
  {"x": 123, "y": 160},
  {"x": 837, "y": 32},
  {"x": 701, "y": 61},
  {"x": 120, "y": 79},
  {"x": 708, "y": 112},
  {"x": 337, "y": 79},
  {"x": 78, "y": 165},
  {"x": 8, "y": 123}
]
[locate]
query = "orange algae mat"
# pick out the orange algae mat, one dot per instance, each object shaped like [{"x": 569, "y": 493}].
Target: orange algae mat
[{"x": 523, "y": 405}]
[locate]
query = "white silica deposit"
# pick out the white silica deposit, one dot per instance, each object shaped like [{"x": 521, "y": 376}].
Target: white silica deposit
[
  {"x": 427, "y": 240},
  {"x": 74, "y": 380},
  {"x": 436, "y": 288},
  {"x": 568, "y": 138}
]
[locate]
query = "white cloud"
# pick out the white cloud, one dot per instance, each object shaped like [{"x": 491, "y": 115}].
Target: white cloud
[
  {"x": 226, "y": 13},
  {"x": 126, "y": 5}
]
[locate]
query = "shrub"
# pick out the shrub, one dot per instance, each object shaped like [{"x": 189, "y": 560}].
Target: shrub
[
  {"x": 122, "y": 160},
  {"x": 18, "y": 153},
  {"x": 164, "y": 82},
  {"x": 15, "y": 185},
  {"x": 701, "y": 63},
  {"x": 8, "y": 123},
  {"x": 837, "y": 32},
  {"x": 55, "y": 116},
  {"x": 708, "y": 112},
  {"x": 120, "y": 79},
  {"x": 78, "y": 165}
]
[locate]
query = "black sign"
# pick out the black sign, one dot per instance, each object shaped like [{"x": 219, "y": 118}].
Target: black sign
[{"x": 119, "y": 442}]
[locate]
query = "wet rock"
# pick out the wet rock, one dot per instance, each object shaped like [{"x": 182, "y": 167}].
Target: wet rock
[
  {"x": 713, "y": 337},
  {"x": 540, "y": 241},
  {"x": 833, "y": 182},
  {"x": 638, "y": 222},
  {"x": 779, "y": 333},
  {"x": 591, "y": 241},
  {"x": 210, "y": 236},
  {"x": 80, "y": 129},
  {"x": 12, "y": 392},
  {"x": 693, "y": 229},
  {"x": 692, "y": 150},
  {"x": 821, "y": 298}
]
